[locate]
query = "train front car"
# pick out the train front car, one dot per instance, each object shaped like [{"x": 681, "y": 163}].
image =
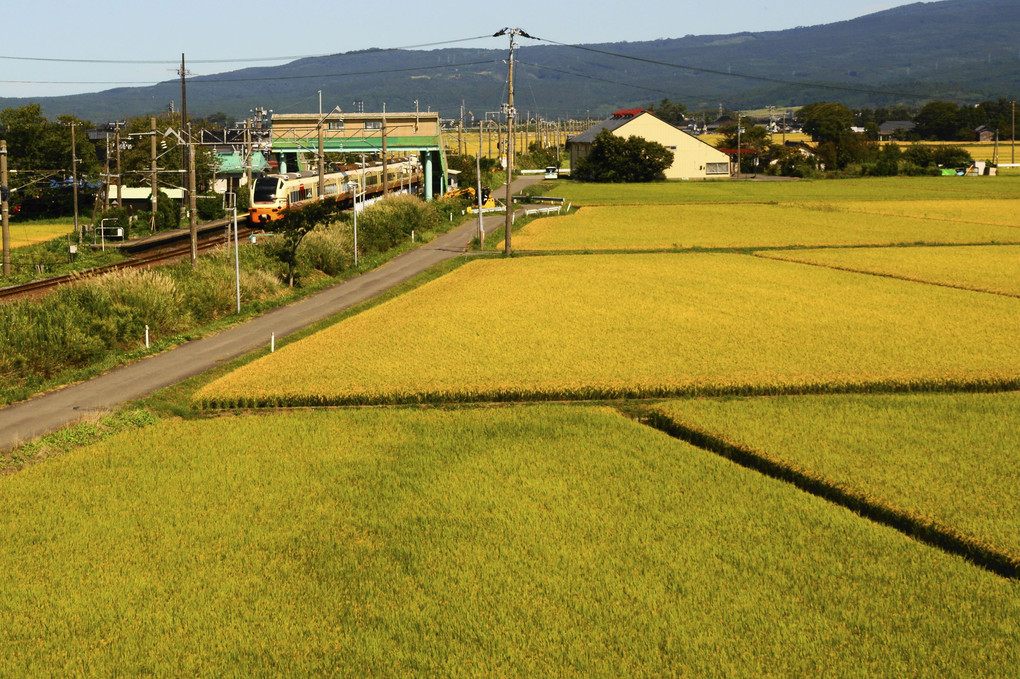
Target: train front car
[{"x": 268, "y": 200}]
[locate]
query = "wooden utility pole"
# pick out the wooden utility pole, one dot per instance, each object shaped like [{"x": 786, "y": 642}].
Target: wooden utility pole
[
  {"x": 154, "y": 198},
  {"x": 4, "y": 207}
]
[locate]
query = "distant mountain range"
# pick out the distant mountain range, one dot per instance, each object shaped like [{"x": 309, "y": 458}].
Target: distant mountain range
[{"x": 964, "y": 51}]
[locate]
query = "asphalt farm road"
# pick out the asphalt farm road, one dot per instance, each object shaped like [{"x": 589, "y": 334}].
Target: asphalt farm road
[{"x": 48, "y": 412}]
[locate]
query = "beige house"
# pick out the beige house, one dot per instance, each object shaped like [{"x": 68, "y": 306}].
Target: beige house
[{"x": 692, "y": 158}]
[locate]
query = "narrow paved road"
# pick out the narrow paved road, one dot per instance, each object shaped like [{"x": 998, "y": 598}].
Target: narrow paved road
[{"x": 29, "y": 419}]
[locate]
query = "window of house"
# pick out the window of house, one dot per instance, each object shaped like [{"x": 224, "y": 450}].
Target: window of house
[{"x": 717, "y": 168}]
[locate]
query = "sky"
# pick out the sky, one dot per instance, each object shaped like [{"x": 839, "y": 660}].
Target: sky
[{"x": 48, "y": 49}]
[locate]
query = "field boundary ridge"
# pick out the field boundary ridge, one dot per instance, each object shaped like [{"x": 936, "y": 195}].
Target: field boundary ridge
[{"x": 910, "y": 524}]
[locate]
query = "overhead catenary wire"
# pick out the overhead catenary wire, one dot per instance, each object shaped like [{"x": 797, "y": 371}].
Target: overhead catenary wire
[
  {"x": 730, "y": 74},
  {"x": 244, "y": 60}
]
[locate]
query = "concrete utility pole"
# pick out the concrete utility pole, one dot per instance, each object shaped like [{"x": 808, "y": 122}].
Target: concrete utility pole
[
  {"x": 74, "y": 181},
  {"x": 247, "y": 157},
  {"x": 4, "y": 206},
  {"x": 192, "y": 217},
  {"x": 738, "y": 144},
  {"x": 1012, "y": 136},
  {"x": 511, "y": 112},
  {"x": 385, "y": 167},
  {"x": 120, "y": 182},
  {"x": 154, "y": 198},
  {"x": 185, "y": 160}
]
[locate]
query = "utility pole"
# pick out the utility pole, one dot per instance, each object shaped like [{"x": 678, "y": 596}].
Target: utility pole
[
  {"x": 154, "y": 198},
  {"x": 385, "y": 170},
  {"x": 74, "y": 181},
  {"x": 738, "y": 144},
  {"x": 5, "y": 208},
  {"x": 185, "y": 160},
  {"x": 511, "y": 112},
  {"x": 120, "y": 182},
  {"x": 1012, "y": 136},
  {"x": 247, "y": 157},
  {"x": 192, "y": 217},
  {"x": 460, "y": 130}
]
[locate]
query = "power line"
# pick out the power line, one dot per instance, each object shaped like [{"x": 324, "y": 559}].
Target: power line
[
  {"x": 212, "y": 79},
  {"x": 235, "y": 61},
  {"x": 760, "y": 78},
  {"x": 592, "y": 77}
]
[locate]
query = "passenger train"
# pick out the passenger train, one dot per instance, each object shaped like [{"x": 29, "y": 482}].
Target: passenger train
[{"x": 275, "y": 193}]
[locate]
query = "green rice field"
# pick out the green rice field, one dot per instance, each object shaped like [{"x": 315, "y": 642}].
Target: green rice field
[{"x": 526, "y": 541}]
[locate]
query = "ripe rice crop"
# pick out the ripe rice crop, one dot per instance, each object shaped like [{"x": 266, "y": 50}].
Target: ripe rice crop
[
  {"x": 727, "y": 191},
  {"x": 651, "y": 227},
  {"x": 989, "y": 268},
  {"x": 526, "y": 541},
  {"x": 975, "y": 211},
  {"x": 639, "y": 325},
  {"x": 33, "y": 233},
  {"x": 948, "y": 459}
]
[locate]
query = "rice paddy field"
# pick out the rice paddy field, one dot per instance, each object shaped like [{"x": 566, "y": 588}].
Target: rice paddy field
[
  {"x": 944, "y": 458},
  {"x": 821, "y": 190},
  {"x": 603, "y": 326},
  {"x": 778, "y": 438},
  {"x": 988, "y": 268},
  {"x": 32, "y": 233},
  {"x": 547, "y": 540},
  {"x": 660, "y": 227}
]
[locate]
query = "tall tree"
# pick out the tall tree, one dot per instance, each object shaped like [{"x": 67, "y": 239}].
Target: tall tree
[{"x": 615, "y": 159}]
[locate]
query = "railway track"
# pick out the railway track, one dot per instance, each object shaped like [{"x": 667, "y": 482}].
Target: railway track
[{"x": 163, "y": 250}]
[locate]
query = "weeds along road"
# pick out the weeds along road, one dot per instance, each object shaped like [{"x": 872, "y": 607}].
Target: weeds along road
[{"x": 27, "y": 420}]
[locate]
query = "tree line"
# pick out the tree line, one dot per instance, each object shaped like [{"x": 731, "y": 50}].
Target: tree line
[{"x": 39, "y": 153}]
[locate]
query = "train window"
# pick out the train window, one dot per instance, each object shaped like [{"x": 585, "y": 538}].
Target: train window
[
  {"x": 372, "y": 180},
  {"x": 265, "y": 189},
  {"x": 373, "y": 124},
  {"x": 336, "y": 124},
  {"x": 330, "y": 190}
]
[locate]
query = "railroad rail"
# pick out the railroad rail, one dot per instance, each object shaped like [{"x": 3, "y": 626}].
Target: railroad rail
[{"x": 167, "y": 247}]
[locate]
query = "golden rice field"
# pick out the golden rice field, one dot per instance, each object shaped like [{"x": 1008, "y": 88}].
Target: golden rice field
[
  {"x": 823, "y": 190},
  {"x": 989, "y": 268},
  {"x": 531, "y": 541},
  {"x": 640, "y": 325},
  {"x": 651, "y": 227},
  {"x": 947, "y": 459},
  {"x": 33, "y": 233},
  {"x": 979, "y": 211}
]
